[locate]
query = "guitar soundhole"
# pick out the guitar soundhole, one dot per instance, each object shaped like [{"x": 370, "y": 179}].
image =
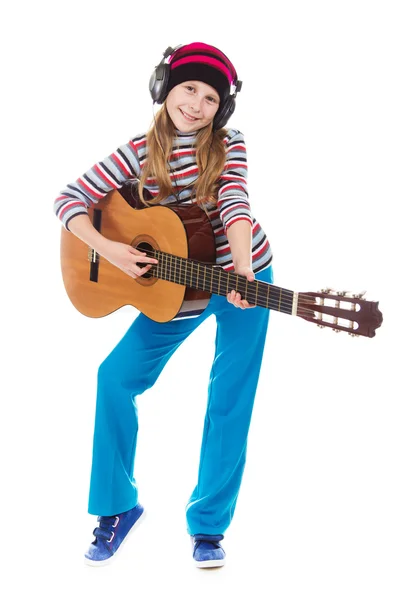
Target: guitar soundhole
[{"x": 145, "y": 247}]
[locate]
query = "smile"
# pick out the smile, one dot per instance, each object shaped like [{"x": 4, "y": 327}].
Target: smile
[{"x": 188, "y": 117}]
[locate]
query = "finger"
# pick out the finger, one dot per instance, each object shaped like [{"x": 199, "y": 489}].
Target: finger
[
  {"x": 136, "y": 252},
  {"x": 235, "y": 296},
  {"x": 142, "y": 270},
  {"x": 140, "y": 255},
  {"x": 131, "y": 271},
  {"x": 245, "y": 304},
  {"x": 140, "y": 259}
]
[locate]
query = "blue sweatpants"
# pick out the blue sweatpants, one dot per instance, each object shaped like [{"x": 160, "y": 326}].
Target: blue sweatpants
[{"x": 134, "y": 366}]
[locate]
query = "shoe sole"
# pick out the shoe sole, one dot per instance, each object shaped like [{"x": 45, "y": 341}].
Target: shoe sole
[
  {"x": 107, "y": 561},
  {"x": 209, "y": 564}
]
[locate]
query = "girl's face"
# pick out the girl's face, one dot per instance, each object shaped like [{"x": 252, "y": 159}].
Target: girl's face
[{"x": 192, "y": 105}]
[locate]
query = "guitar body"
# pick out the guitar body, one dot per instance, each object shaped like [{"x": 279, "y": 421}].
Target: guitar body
[{"x": 97, "y": 288}]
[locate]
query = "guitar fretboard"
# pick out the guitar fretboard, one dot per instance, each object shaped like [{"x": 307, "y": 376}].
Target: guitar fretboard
[{"x": 214, "y": 279}]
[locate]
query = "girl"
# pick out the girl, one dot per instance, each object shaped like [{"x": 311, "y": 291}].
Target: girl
[{"x": 187, "y": 156}]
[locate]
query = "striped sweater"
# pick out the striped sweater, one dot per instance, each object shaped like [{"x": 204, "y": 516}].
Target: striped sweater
[{"x": 127, "y": 163}]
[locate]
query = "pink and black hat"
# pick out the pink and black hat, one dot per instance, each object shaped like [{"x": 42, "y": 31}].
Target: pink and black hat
[{"x": 201, "y": 62}]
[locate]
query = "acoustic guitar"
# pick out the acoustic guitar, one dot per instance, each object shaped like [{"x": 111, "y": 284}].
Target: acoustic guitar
[{"x": 181, "y": 238}]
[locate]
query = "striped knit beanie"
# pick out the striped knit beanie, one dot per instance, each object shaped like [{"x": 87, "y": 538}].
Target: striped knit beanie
[{"x": 201, "y": 62}]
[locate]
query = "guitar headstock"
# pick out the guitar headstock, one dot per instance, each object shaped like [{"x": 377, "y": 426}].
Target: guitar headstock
[{"x": 341, "y": 311}]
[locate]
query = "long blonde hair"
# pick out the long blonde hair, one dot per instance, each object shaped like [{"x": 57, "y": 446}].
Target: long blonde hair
[{"x": 210, "y": 159}]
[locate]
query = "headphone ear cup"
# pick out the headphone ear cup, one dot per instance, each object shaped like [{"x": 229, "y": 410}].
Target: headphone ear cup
[
  {"x": 158, "y": 83},
  {"x": 225, "y": 113}
]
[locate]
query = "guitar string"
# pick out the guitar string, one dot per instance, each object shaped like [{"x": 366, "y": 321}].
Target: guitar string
[
  {"x": 287, "y": 294},
  {"x": 285, "y": 301},
  {"x": 273, "y": 303}
]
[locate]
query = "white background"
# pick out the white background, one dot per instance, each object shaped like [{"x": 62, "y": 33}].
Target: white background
[{"x": 318, "y": 512}]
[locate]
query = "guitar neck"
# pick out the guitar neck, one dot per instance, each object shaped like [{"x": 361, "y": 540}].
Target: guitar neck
[{"x": 214, "y": 279}]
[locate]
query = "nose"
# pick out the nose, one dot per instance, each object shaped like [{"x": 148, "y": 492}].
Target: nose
[{"x": 195, "y": 105}]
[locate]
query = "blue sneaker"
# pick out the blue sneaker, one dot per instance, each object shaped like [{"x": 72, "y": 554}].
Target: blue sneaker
[
  {"x": 207, "y": 551},
  {"x": 110, "y": 535}
]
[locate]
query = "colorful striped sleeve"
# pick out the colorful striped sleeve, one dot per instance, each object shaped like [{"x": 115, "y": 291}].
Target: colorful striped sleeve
[
  {"x": 233, "y": 202},
  {"x": 109, "y": 174}
]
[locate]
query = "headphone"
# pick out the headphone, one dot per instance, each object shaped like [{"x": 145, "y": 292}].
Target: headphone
[{"x": 158, "y": 86}]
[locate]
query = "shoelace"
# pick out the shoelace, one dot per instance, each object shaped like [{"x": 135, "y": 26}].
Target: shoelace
[
  {"x": 212, "y": 539},
  {"x": 105, "y": 529}
]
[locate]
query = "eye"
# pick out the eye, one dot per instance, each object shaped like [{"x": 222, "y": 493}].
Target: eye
[
  {"x": 190, "y": 88},
  {"x": 211, "y": 99}
]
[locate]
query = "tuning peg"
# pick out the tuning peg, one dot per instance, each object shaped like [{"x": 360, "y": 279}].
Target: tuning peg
[
  {"x": 327, "y": 290},
  {"x": 360, "y": 295},
  {"x": 353, "y": 334},
  {"x": 320, "y": 326},
  {"x": 336, "y": 330}
]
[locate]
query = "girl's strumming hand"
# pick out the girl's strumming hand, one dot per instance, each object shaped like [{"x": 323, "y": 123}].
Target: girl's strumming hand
[
  {"x": 126, "y": 258},
  {"x": 234, "y": 297}
]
